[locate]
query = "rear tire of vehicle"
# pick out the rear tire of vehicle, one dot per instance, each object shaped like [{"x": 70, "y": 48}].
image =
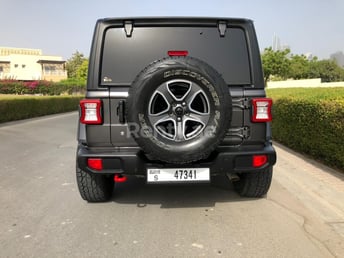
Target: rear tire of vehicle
[
  {"x": 94, "y": 188},
  {"x": 255, "y": 184}
]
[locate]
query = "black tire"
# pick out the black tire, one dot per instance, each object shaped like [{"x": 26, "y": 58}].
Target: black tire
[
  {"x": 212, "y": 126},
  {"x": 255, "y": 184},
  {"x": 94, "y": 188}
]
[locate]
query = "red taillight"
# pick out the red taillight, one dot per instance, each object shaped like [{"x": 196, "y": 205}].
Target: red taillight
[
  {"x": 261, "y": 110},
  {"x": 120, "y": 178},
  {"x": 91, "y": 111},
  {"x": 259, "y": 160},
  {"x": 96, "y": 164},
  {"x": 178, "y": 52}
]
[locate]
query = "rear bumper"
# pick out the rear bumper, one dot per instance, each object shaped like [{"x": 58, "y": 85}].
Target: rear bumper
[{"x": 132, "y": 161}]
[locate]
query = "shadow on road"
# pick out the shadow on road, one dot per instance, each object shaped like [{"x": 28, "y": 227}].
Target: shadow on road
[{"x": 135, "y": 191}]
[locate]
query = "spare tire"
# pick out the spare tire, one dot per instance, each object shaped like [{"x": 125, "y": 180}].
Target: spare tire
[{"x": 178, "y": 109}]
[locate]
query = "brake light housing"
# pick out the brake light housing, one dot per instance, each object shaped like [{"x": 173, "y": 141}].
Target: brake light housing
[
  {"x": 259, "y": 160},
  {"x": 91, "y": 111},
  {"x": 261, "y": 110},
  {"x": 178, "y": 53},
  {"x": 95, "y": 163}
]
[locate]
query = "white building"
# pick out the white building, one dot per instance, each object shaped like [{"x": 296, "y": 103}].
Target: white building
[{"x": 30, "y": 64}]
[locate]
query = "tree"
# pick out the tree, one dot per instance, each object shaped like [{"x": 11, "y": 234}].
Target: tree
[
  {"x": 283, "y": 65},
  {"x": 299, "y": 67},
  {"x": 74, "y": 63},
  {"x": 312, "y": 68},
  {"x": 81, "y": 72},
  {"x": 275, "y": 63},
  {"x": 327, "y": 70}
]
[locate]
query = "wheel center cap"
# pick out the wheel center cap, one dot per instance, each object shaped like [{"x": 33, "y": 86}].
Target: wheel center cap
[{"x": 179, "y": 111}]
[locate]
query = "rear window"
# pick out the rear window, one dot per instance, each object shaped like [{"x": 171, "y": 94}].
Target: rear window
[{"x": 124, "y": 57}]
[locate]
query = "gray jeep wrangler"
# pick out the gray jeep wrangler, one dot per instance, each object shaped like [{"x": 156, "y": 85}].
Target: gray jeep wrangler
[{"x": 174, "y": 100}]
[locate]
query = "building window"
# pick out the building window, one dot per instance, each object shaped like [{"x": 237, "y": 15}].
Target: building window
[
  {"x": 23, "y": 66},
  {"x": 1, "y": 69},
  {"x": 16, "y": 66},
  {"x": 49, "y": 69}
]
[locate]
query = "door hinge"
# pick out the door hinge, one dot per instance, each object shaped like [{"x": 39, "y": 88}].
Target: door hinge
[
  {"x": 241, "y": 132},
  {"x": 246, "y": 103},
  {"x": 128, "y": 28},
  {"x": 242, "y": 103},
  {"x": 246, "y": 132},
  {"x": 222, "y": 26}
]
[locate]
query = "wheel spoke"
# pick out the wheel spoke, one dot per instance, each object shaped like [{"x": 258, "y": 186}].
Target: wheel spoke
[
  {"x": 157, "y": 119},
  {"x": 165, "y": 93},
  {"x": 180, "y": 134},
  {"x": 198, "y": 117},
  {"x": 195, "y": 89},
  {"x": 181, "y": 85}
]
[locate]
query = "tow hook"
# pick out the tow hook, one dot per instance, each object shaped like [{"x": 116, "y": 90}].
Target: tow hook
[{"x": 118, "y": 178}]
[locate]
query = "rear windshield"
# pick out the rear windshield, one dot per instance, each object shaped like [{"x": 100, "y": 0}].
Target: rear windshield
[{"x": 124, "y": 57}]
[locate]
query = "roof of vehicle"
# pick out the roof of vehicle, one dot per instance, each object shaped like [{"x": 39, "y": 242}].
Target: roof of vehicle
[{"x": 176, "y": 19}]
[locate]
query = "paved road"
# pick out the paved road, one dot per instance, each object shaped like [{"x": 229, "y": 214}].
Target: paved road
[{"x": 42, "y": 214}]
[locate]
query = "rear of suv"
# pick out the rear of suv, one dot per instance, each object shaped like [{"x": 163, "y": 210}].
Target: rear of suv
[{"x": 174, "y": 100}]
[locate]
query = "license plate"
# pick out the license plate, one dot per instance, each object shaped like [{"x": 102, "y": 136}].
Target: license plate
[{"x": 155, "y": 175}]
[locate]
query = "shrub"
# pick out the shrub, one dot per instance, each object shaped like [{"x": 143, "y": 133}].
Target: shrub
[
  {"x": 70, "y": 86},
  {"x": 27, "y": 107},
  {"x": 311, "y": 121}
]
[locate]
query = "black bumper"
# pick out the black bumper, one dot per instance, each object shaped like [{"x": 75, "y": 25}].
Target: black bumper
[{"x": 131, "y": 161}]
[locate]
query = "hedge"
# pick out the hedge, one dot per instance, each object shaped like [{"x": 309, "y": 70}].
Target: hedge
[
  {"x": 22, "y": 107},
  {"x": 311, "y": 121},
  {"x": 69, "y": 86}
]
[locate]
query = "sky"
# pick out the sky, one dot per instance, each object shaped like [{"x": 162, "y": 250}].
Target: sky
[{"x": 62, "y": 27}]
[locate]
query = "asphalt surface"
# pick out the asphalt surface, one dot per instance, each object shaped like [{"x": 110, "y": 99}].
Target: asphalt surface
[{"x": 42, "y": 214}]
